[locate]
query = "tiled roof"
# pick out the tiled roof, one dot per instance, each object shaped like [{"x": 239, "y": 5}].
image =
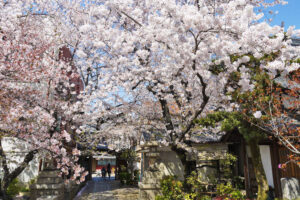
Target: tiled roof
[
  {"x": 207, "y": 137},
  {"x": 295, "y": 41}
]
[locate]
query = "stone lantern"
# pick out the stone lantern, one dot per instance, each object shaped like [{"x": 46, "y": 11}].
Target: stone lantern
[{"x": 149, "y": 187}]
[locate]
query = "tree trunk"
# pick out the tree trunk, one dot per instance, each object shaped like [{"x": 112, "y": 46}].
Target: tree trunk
[
  {"x": 260, "y": 175},
  {"x": 3, "y": 191}
]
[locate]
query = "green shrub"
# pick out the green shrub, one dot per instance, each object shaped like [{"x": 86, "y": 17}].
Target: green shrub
[
  {"x": 128, "y": 179},
  {"x": 26, "y": 187},
  {"x": 205, "y": 197},
  {"x": 14, "y": 188},
  {"x": 123, "y": 168},
  {"x": 227, "y": 164},
  {"x": 171, "y": 189},
  {"x": 227, "y": 191},
  {"x": 32, "y": 181},
  {"x": 125, "y": 177},
  {"x": 194, "y": 183},
  {"x": 238, "y": 182}
]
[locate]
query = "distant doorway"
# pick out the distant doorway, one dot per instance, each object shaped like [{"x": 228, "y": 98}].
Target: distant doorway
[{"x": 101, "y": 161}]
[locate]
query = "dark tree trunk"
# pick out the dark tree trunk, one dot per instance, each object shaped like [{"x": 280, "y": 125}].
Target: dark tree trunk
[
  {"x": 4, "y": 187},
  {"x": 260, "y": 175}
]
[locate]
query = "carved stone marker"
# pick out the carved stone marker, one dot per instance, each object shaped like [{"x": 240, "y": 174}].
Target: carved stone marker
[{"x": 290, "y": 188}]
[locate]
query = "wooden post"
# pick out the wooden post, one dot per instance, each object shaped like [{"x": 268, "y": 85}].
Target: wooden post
[{"x": 276, "y": 175}]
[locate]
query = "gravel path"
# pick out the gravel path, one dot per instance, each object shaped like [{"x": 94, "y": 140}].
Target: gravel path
[{"x": 106, "y": 190}]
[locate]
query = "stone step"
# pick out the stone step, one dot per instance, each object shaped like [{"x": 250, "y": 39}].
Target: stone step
[
  {"x": 53, "y": 186},
  {"x": 52, "y": 173},
  {"x": 45, "y": 180},
  {"x": 153, "y": 177},
  {"x": 41, "y": 193},
  {"x": 53, "y": 197},
  {"x": 149, "y": 186}
]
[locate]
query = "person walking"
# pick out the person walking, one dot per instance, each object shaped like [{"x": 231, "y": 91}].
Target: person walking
[
  {"x": 103, "y": 171},
  {"x": 108, "y": 168}
]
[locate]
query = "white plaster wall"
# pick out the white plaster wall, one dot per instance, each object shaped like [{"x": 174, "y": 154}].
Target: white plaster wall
[
  {"x": 248, "y": 151},
  {"x": 267, "y": 164},
  {"x": 15, "y": 151}
]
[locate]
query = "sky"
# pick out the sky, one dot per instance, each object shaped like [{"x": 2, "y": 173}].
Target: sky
[{"x": 289, "y": 13}]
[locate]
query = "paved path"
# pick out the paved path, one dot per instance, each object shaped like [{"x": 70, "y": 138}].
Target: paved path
[{"x": 106, "y": 190}]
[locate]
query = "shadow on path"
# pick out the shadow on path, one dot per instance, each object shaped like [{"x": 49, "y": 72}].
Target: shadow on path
[{"x": 105, "y": 189}]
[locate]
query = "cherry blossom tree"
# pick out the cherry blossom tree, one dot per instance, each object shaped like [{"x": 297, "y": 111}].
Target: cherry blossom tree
[
  {"x": 37, "y": 89},
  {"x": 178, "y": 55},
  {"x": 273, "y": 104},
  {"x": 155, "y": 65},
  {"x": 269, "y": 109}
]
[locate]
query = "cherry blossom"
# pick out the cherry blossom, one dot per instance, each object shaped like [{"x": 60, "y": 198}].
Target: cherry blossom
[
  {"x": 257, "y": 114},
  {"x": 146, "y": 66}
]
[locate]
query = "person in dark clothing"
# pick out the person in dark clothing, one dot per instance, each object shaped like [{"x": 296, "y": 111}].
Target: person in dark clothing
[
  {"x": 103, "y": 171},
  {"x": 108, "y": 170}
]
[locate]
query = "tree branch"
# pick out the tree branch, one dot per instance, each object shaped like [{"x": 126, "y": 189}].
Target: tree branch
[
  {"x": 135, "y": 21},
  {"x": 16, "y": 172}
]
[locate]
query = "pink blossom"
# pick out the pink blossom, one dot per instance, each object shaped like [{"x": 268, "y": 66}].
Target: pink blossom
[
  {"x": 67, "y": 136},
  {"x": 76, "y": 152}
]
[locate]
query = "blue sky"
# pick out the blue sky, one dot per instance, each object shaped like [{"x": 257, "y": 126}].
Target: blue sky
[{"x": 289, "y": 13}]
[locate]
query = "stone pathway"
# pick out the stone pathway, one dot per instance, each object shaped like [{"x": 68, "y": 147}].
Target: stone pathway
[{"x": 107, "y": 190}]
